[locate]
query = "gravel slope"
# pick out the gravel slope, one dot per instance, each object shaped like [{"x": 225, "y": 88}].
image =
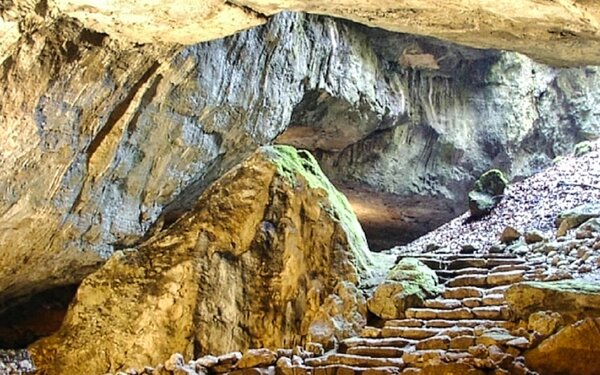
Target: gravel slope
[{"x": 533, "y": 203}]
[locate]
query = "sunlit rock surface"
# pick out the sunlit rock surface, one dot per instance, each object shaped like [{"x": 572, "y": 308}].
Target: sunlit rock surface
[
  {"x": 105, "y": 140},
  {"x": 557, "y": 32},
  {"x": 253, "y": 264},
  {"x": 110, "y": 136}
]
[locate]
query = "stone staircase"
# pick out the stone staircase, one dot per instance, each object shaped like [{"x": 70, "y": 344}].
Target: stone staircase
[{"x": 467, "y": 328}]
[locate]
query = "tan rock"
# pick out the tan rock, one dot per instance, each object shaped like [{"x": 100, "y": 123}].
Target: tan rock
[
  {"x": 545, "y": 323},
  {"x": 409, "y": 332},
  {"x": 503, "y": 278},
  {"x": 354, "y": 360},
  {"x": 462, "y": 292},
  {"x": 372, "y": 332},
  {"x": 404, "y": 323},
  {"x": 451, "y": 369},
  {"x": 509, "y": 234},
  {"x": 574, "y": 300},
  {"x": 494, "y": 336},
  {"x": 377, "y": 351},
  {"x": 573, "y": 350},
  {"x": 462, "y": 342},
  {"x": 275, "y": 260},
  {"x": 468, "y": 280},
  {"x": 435, "y": 342},
  {"x": 257, "y": 358},
  {"x": 422, "y": 356}
]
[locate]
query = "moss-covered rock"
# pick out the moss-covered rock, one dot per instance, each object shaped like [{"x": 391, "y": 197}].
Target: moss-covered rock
[
  {"x": 573, "y": 299},
  {"x": 407, "y": 285},
  {"x": 486, "y": 193},
  {"x": 270, "y": 254}
]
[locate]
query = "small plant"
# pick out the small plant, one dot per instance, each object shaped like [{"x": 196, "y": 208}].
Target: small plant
[{"x": 582, "y": 148}]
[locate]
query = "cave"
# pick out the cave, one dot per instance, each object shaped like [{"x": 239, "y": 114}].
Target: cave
[{"x": 257, "y": 187}]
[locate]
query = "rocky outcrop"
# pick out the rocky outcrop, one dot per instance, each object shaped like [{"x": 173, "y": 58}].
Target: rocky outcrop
[
  {"x": 573, "y": 350},
  {"x": 407, "y": 285},
  {"x": 107, "y": 142},
  {"x": 253, "y": 264},
  {"x": 114, "y": 139},
  {"x": 557, "y": 32},
  {"x": 574, "y": 300}
]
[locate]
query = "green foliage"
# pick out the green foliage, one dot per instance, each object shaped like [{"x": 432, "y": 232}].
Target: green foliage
[{"x": 582, "y": 148}]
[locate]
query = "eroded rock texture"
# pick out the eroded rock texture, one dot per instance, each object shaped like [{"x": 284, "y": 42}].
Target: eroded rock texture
[
  {"x": 110, "y": 136},
  {"x": 559, "y": 32},
  {"x": 255, "y": 263},
  {"x": 105, "y": 140}
]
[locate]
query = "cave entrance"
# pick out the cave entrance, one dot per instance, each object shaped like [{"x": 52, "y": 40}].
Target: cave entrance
[
  {"x": 34, "y": 317},
  {"x": 328, "y": 126},
  {"x": 389, "y": 220}
]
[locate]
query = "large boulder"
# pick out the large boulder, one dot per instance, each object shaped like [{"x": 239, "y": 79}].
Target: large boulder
[
  {"x": 572, "y": 351},
  {"x": 407, "y": 284},
  {"x": 252, "y": 265},
  {"x": 573, "y": 299},
  {"x": 486, "y": 193},
  {"x": 576, "y": 216}
]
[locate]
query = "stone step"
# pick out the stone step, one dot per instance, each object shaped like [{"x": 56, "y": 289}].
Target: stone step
[
  {"x": 350, "y": 370},
  {"x": 488, "y": 263},
  {"x": 511, "y": 267},
  {"x": 441, "y": 323},
  {"x": 419, "y": 357},
  {"x": 442, "y": 303},
  {"x": 468, "y": 280},
  {"x": 353, "y": 360},
  {"x": 371, "y": 342},
  {"x": 490, "y": 280},
  {"x": 409, "y": 332},
  {"x": 376, "y": 351},
  {"x": 472, "y": 302},
  {"x": 462, "y": 292},
  {"x": 452, "y": 314},
  {"x": 496, "y": 290},
  {"x": 505, "y": 278},
  {"x": 501, "y": 312},
  {"x": 494, "y": 300},
  {"x": 467, "y": 263},
  {"x": 471, "y": 271},
  {"x": 436, "y": 342},
  {"x": 404, "y": 323}
]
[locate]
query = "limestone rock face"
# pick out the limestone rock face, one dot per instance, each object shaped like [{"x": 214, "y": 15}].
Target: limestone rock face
[
  {"x": 574, "y": 300},
  {"x": 406, "y": 285},
  {"x": 562, "y": 33},
  {"x": 250, "y": 266},
  {"x": 573, "y": 350},
  {"x": 105, "y": 142}
]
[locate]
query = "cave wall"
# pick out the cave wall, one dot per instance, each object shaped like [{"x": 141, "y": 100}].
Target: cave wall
[
  {"x": 561, "y": 33},
  {"x": 103, "y": 137},
  {"x": 107, "y": 141},
  {"x": 466, "y": 111}
]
